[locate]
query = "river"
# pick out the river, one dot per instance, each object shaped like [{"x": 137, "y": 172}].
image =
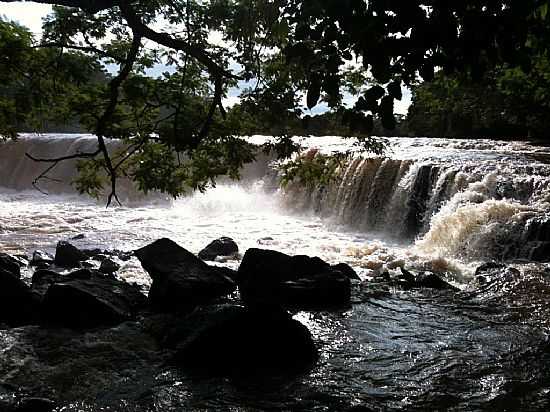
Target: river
[{"x": 440, "y": 205}]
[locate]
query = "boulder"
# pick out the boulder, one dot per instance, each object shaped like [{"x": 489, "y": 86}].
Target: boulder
[
  {"x": 35, "y": 405},
  {"x": 243, "y": 342},
  {"x": 109, "y": 266},
  {"x": 86, "y": 299},
  {"x": 42, "y": 279},
  {"x": 432, "y": 281},
  {"x": 223, "y": 246},
  {"x": 489, "y": 267},
  {"x": 41, "y": 259},
  {"x": 18, "y": 304},
  {"x": 268, "y": 276},
  {"x": 347, "y": 270},
  {"x": 10, "y": 264},
  {"x": 180, "y": 279},
  {"x": 68, "y": 256}
]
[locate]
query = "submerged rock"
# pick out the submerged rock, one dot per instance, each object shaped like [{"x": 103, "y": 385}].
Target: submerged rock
[
  {"x": 224, "y": 246},
  {"x": 68, "y": 256},
  {"x": 180, "y": 279},
  {"x": 85, "y": 299},
  {"x": 268, "y": 276},
  {"x": 242, "y": 342},
  {"x": 18, "y": 304}
]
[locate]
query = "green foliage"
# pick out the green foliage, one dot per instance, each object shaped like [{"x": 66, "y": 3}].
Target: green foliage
[{"x": 507, "y": 102}]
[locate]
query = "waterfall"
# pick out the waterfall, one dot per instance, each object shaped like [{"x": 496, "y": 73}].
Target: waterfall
[
  {"x": 488, "y": 203},
  {"x": 463, "y": 198}
]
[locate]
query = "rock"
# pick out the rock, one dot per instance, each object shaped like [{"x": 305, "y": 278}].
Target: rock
[
  {"x": 347, "y": 270},
  {"x": 489, "y": 267},
  {"x": 10, "y": 264},
  {"x": 35, "y": 405},
  {"x": 18, "y": 304},
  {"x": 268, "y": 276},
  {"x": 109, "y": 266},
  {"x": 223, "y": 246},
  {"x": 41, "y": 259},
  {"x": 42, "y": 279},
  {"x": 80, "y": 236},
  {"x": 265, "y": 240},
  {"x": 432, "y": 281},
  {"x": 68, "y": 256},
  {"x": 83, "y": 300},
  {"x": 180, "y": 279},
  {"x": 244, "y": 342}
]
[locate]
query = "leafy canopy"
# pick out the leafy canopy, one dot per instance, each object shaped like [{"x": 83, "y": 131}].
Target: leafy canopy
[{"x": 288, "y": 56}]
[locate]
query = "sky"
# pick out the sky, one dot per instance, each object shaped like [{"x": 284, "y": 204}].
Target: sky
[{"x": 31, "y": 14}]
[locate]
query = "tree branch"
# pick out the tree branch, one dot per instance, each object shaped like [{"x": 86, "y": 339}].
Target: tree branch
[
  {"x": 114, "y": 87},
  {"x": 92, "y": 6},
  {"x": 55, "y": 162},
  {"x": 88, "y": 49}
]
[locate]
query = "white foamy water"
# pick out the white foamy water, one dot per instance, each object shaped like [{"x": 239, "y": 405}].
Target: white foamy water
[{"x": 441, "y": 205}]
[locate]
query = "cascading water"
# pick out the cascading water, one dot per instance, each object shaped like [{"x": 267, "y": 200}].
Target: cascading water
[
  {"x": 483, "y": 203},
  {"x": 439, "y": 205}
]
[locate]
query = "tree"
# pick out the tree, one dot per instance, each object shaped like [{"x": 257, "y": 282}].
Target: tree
[{"x": 175, "y": 128}]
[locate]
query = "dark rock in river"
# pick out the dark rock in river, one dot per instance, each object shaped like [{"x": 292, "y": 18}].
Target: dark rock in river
[
  {"x": 86, "y": 299},
  {"x": 18, "y": 304},
  {"x": 268, "y": 276},
  {"x": 223, "y": 246},
  {"x": 108, "y": 266},
  {"x": 347, "y": 270},
  {"x": 10, "y": 264},
  {"x": 432, "y": 281},
  {"x": 41, "y": 259},
  {"x": 35, "y": 405},
  {"x": 243, "y": 342},
  {"x": 180, "y": 279},
  {"x": 489, "y": 267},
  {"x": 429, "y": 280},
  {"x": 68, "y": 256}
]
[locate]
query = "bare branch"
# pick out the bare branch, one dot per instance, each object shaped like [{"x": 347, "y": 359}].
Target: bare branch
[{"x": 55, "y": 162}]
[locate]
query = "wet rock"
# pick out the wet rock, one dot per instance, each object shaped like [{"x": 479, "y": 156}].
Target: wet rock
[
  {"x": 347, "y": 270},
  {"x": 84, "y": 300},
  {"x": 18, "y": 304},
  {"x": 268, "y": 276},
  {"x": 42, "y": 279},
  {"x": 223, "y": 246},
  {"x": 35, "y": 405},
  {"x": 489, "y": 267},
  {"x": 242, "y": 342},
  {"x": 432, "y": 281},
  {"x": 41, "y": 259},
  {"x": 68, "y": 256},
  {"x": 109, "y": 266},
  {"x": 180, "y": 279},
  {"x": 10, "y": 264},
  {"x": 268, "y": 240}
]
